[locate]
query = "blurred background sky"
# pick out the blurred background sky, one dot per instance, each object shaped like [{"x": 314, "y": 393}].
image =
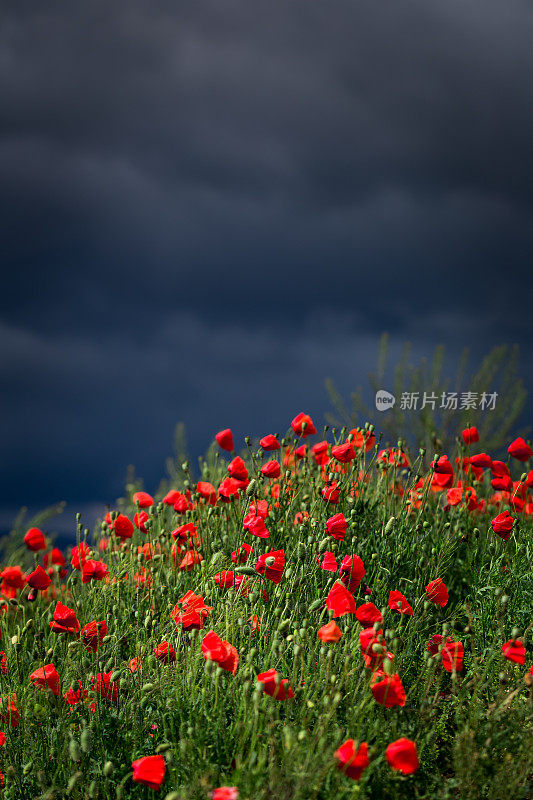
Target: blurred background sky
[{"x": 209, "y": 207}]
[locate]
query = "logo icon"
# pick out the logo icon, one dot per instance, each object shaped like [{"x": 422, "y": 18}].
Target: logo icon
[{"x": 384, "y": 400}]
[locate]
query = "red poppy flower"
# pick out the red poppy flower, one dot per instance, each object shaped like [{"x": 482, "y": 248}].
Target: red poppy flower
[
  {"x": 269, "y": 442},
  {"x": 34, "y": 540},
  {"x": 437, "y": 592},
  {"x": 271, "y": 565},
  {"x": 514, "y": 650},
  {"x": 54, "y": 557},
  {"x": 373, "y": 644},
  {"x": 271, "y": 469},
  {"x": 320, "y": 452},
  {"x": 452, "y": 656},
  {"x": 65, "y": 620},
  {"x": 104, "y": 686},
  {"x": 2, "y": 739},
  {"x": 237, "y": 469},
  {"x": 9, "y": 712},
  {"x": 92, "y": 635},
  {"x": 256, "y": 526},
  {"x": 368, "y": 614},
  {"x": 453, "y": 496},
  {"x": 240, "y": 555},
  {"x": 301, "y": 452},
  {"x": 39, "y": 580},
  {"x": 183, "y": 503},
  {"x": 189, "y": 560},
  {"x": 183, "y": 532},
  {"x": 225, "y": 440},
  {"x": 225, "y": 793},
  {"x": 3, "y": 663},
  {"x": 520, "y": 450},
  {"x": 93, "y": 571},
  {"x": 143, "y": 499},
  {"x": 258, "y": 508},
  {"x": 336, "y": 526},
  {"x": 500, "y": 469},
  {"x": 207, "y": 492},
  {"x": 217, "y": 649},
  {"x": 470, "y": 435},
  {"x": 140, "y": 520},
  {"x": 46, "y": 678},
  {"x": 79, "y": 555},
  {"x": 398, "y": 602},
  {"x": 435, "y": 641},
  {"x": 330, "y": 632},
  {"x": 388, "y": 690},
  {"x": 149, "y": 771},
  {"x": 123, "y": 527},
  {"x": 225, "y": 579},
  {"x": 329, "y": 562},
  {"x": 194, "y": 611},
  {"x": 229, "y": 488},
  {"x": 302, "y": 425},
  {"x": 171, "y": 497},
  {"x": 352, "y": 760},
  {"x": 503, "y": 525},
  {"x": 75, "y": 696},
  {"x": 352, "y": 572},
  {"x": 331, "y": 493},
  {"x": 13, "y": 577},
  {"x": 275, "y": 687},
  {"x": 344, "y": 453},
  {"x": 340, "y": 600},
  {"x": 362, "y": 438},
  {"x": 255, "y": 623},
  {"x": 443, "y": 472},
  {"x": 503, "y": 483},
  {"x": 402, "y": 755},
  {"x": 165, "y": 653},
  {"x": 481, "y": 460}
]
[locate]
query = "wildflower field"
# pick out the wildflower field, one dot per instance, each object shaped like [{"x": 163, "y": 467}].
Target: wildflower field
[{"x": 311, "y": 619}]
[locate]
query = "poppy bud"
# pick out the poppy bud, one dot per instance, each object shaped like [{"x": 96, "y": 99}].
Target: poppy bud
[{"x": 74, "y": 750}]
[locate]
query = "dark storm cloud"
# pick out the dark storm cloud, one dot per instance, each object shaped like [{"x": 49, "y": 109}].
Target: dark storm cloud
[{"x": 231, "y": 200}]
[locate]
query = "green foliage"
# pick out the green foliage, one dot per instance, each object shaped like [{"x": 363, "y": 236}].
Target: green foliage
[
  {"x": 436, "y": 429},
  {"x": 472, "y": 728}
]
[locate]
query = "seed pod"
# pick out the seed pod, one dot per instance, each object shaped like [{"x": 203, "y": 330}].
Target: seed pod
[
  {"x": 73, "y": 781},
  {"x": 74, "y": 750},
  {"x": 109, "y": 769},
  {"x": 86, "y": 739},
  {"x": 316, "y": 605},
  {"x": 301, "y": 550}
]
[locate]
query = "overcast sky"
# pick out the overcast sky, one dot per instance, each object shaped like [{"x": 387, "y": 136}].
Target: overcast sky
[{"x": 209, "y": 207}]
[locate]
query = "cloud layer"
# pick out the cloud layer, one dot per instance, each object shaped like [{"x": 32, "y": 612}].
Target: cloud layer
[{"x": 208, "y": 208}]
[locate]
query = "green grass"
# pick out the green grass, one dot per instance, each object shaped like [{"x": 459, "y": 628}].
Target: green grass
[{"x": 473, "y": 728}]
